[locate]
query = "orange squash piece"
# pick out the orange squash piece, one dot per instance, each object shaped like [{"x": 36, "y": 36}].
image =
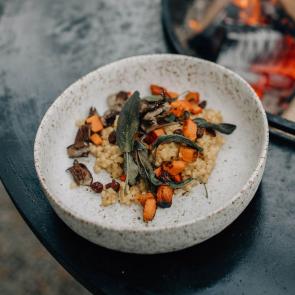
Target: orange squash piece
[
  {"x": 178, "y": 107},
  {"x": 193, "y": 97},
  {"x": 149, "y": 209},
  {"x": 175, "y": 167},
  {"x": 157, "y": 90},
  {"x": 158, "y": 132},
  {"x": 177, "y": 178},
  {"x": 189, "y": 129},
  {"x": 187, "y": 154},
  {"x": 172, "y": 94},
  {"x": 142, "y": 198},
  {"x": 95, "y": 122},
  {"x": 96, "y": 139},
  {"x": 195, "y": 109},
  {"x": 164, "y": 196}
]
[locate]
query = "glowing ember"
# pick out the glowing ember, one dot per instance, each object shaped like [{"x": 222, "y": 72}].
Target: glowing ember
[{"x": 195, "y": 25}]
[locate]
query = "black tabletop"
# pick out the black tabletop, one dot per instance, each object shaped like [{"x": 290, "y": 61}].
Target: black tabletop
[{"x": 45, "y": 45}]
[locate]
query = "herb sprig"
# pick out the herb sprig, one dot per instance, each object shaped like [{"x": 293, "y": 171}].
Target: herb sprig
[{"x": 224, "y": 128}]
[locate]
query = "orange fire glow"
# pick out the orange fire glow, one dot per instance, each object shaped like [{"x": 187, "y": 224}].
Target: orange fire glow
[
  {"x": 195, "y": 25},
  {"x": 283, "y": 65},
  {"x": 250, "y": 13}
]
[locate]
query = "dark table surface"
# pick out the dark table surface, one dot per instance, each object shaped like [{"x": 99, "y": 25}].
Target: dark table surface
[{"x": 45, "y": 45}]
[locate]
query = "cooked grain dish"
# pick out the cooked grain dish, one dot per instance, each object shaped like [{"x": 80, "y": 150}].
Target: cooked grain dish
[{"x": 170, "y": 146}]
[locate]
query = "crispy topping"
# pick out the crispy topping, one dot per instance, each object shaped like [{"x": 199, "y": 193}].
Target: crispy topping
[
  {"x": 80, "y": 173},
  {"x": 79, "y": 149}
]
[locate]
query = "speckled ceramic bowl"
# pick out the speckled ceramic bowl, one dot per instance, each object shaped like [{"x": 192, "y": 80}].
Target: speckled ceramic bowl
[{"x": 192, "y": 218}]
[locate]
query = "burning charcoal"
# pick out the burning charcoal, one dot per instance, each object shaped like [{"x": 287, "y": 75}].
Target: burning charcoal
[
  {"x": 109, "y": 117},
  {"x": 112, "y": 137},
  {"x": 114, "y": 185},
  {"x": 203, "y": 104},
  {"x": 80, "y": 173},
  {"x": 97, "y": 187},
  {"x": 79, "y": 149}
]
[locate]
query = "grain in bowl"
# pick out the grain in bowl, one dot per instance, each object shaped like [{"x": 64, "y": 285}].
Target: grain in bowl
[{"x": 153, "y": 147}]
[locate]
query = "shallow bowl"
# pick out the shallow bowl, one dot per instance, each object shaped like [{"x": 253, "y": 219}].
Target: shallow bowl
[{"x": 192, "y": 218}]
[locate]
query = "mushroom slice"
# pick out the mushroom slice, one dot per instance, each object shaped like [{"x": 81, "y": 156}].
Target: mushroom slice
[
  {"x": 83, "y": 134},
  {"x": 109, "y": 117},
  {"x": 80, "y": 173},
  {"x": 116, "y": 101},
  {"x": 79, "y": 149},
  {"x": 151, "y": 116},
  {"x": 92, "y": 111}
]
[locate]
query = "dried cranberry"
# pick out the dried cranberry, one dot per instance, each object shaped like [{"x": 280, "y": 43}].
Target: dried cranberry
[
  {"x": 200, "y": 132},
  {"x": 114, "y": 185},
  {"x": 150, "y": 137},
  {"x": 112, "y": 137},
  {"x": 97, "y": 187},
  {"x": 178, "y": 131},
  {"x": 123, "y": 177},
  {"x": 203, "y": 104}
]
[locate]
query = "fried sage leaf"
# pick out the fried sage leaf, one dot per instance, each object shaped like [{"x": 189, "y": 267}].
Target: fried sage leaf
[
  {"x": 178, "y": 139},
  {"x": 224, "y": 128},
  {"x": 128, "y": 123},
  {"x": 130, "y": 168},
  {"x": 150, "y": 176},
  {"x": 180, "y": 184},
  {"x": 153, "y": 98}
]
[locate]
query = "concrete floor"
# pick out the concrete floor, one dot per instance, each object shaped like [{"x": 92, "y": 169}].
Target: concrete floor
[{"x": 25, "y": 266}]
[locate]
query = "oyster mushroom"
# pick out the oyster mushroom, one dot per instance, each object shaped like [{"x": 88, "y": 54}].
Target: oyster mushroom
[
  {"x": 116, "y": 101},
  {"x": 80, "y": 148},
  {"x": 80, "y": 173},
  {"x": 146, "y": 106},
  {"x": 150, "y": 118},
  {"x": 83, "y": 134},
  {"x": 109, "y": 117}
]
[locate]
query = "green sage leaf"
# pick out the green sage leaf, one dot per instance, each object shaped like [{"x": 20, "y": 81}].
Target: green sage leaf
[
  {"x": 128, "y": 123},
  {"x": 178, "y": 139},
  {"x": 130, "y": 169},
  {"x": 153, "y": 98},
  {"x": 224, "y": 128},
  {"x": 180, "y": 184}
]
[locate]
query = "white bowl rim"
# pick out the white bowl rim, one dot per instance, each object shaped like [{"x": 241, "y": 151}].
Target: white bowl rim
[{"x": 122, "y": 228}]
